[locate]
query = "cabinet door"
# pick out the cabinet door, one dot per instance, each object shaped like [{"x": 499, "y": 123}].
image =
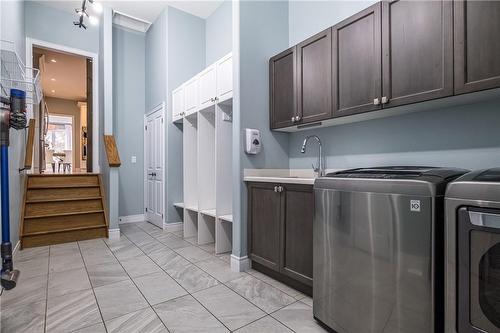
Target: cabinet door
[
  {"x": 264, "y": 224},
  {"x": 207, "y": 89},
  {"x": 357, "y": 70},
  {"x": 282, "y": 89},
  {"x": 477, "y": 45},
  {"x": 177, "y": 103},
  {"x": 417, "y": 48},
  {"x": 225, "y": 78},
  {"x": 191, "y": 96},
  {"x": 297, "y": 233},
  {"x": 314, "y": 78}
]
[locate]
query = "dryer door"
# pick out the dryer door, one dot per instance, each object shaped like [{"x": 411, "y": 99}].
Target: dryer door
[{"x": 479, "y": 270}]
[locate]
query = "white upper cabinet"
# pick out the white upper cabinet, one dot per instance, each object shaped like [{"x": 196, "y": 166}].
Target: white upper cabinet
[
  {"x": 207, "y": 87},
  {"x": 191, "y": 96},
  {"x": 178, "y": 104},
  {"x": 225, "y": 78}
]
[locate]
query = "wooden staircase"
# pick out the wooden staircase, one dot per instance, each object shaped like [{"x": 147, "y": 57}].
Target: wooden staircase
[{"x": 62, "y": 208}]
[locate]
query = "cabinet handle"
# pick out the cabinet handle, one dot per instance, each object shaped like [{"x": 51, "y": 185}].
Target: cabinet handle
[
  {"x": 280, "y": 189},
  {"x": 385, "y": 100},
  {"x": 276, "y": 189},
  {"x": 376, "y": 101},
  {"x": 293, "y": 119},
  {"x": 297, "y": 118}
]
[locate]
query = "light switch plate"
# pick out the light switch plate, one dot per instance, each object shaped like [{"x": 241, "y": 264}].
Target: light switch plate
[{"x": 133, "y": 159}]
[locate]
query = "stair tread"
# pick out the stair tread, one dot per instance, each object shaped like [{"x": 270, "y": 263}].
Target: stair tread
[
  {"x": 37, "y": 187},
  {"x": 62, "y": 200},
  {"x": 64, "y": 214},
  {"x": 64, "y": 230}
]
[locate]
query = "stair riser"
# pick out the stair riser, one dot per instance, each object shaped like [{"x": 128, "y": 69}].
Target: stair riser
[
  {"x": 61, "y": 222},
  {"x": 63, "y": 237},
  {"x": 49, "y": 208},
  {"x": 63, "y": 180},
  {"x": 63, "y": 193}
]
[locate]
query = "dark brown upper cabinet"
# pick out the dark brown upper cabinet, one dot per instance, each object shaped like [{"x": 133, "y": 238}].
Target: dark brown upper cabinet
[
  {"x": 297, "y": 233},
  {"x": 417, "y": 49},
  {"x": 357, "y": 71},
  {"x": 282, "y": 90},
  {"x": 314, "y": 78},
  {"x": 264, "y": 213},
  {"x": 477, "y": 45}
]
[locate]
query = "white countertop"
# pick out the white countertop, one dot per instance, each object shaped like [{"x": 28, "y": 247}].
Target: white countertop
[{"x": 278, "y": 179}]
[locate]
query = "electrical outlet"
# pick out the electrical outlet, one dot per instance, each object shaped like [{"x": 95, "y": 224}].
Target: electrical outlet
[{"x": 133, "y": 159}]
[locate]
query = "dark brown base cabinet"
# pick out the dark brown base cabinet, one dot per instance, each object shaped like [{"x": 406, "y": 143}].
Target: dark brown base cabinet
[
  {"x": 280, "y": 230},
  {"x": 390, "y": 54}
]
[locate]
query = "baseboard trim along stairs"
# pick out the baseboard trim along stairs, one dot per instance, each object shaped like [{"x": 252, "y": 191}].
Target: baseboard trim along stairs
[{"x": 62, "y": 208}]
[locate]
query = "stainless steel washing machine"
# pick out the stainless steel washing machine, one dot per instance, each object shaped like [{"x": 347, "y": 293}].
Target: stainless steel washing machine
[
  {"x": 379, "y": 249},
  {"x": 473, "y": 253}
]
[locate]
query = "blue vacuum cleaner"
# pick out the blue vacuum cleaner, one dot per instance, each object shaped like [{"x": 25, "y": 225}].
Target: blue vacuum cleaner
[{"x": 12, "y": 115}]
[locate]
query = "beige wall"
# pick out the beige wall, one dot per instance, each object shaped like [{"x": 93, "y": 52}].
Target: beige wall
[{"x": 58, "y": 106}]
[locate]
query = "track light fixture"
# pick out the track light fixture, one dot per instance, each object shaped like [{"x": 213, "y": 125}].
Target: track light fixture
[{"x": 82, "y": 13}]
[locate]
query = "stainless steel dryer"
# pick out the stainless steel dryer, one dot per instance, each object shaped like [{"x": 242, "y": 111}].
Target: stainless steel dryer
[
  {"x": 473, "y": 253},
  {"x": 378, "y": 249}
]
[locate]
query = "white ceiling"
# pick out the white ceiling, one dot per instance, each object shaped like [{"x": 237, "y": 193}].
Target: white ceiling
[
  {"x": 69, "y": 73},
  {"x": 144, "y": 10}
]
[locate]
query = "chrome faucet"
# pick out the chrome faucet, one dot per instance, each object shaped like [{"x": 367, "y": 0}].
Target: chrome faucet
[{"x": 320, "y": 168}]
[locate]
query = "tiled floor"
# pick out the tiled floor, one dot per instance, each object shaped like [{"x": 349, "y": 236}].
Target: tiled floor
[{"x": 148, "y": 281}]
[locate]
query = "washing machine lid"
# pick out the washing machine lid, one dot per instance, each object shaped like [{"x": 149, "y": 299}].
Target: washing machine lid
[
  {"x": 405, "y": 180},
  {"x": 480, "y": 185}
]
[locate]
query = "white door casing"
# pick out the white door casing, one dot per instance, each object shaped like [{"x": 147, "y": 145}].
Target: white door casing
[{"x": 154, "y": 165}]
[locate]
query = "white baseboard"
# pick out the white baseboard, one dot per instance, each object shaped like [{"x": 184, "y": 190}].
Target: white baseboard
[
  {"x": 240, "y": 264},
  {"x": 131, "y": 218},
  {"x": 171, "y": 227},
  {"x": 114, "y": 234},
  {"x": 16, "y": 248}
]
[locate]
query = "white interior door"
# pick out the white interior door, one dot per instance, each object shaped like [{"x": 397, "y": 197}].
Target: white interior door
[{"x": 154, "y": 166}]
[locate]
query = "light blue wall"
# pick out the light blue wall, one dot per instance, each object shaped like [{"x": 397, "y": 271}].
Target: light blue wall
[
  {"x": 218, "y": 30},
  {"x": 12, "y": 29},
  {"x": 128, "y": 110},
  {"x": 465, "y": 136},
  {"x": 156, "y": 62},
  {"x": 52, "y": 25},
  {"x": 186, "y": 58},
  {"x": 262, "y": 32},
  {"x": 307, "y": 18}
]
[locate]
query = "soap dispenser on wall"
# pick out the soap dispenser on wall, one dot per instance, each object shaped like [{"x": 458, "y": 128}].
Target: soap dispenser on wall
[{"x": 253, "y": 142}]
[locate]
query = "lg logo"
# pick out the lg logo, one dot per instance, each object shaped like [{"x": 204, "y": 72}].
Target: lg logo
[{"x": 415, "y": 205}]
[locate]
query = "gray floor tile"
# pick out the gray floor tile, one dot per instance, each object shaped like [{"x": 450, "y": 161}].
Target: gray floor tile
[
  {"x": 115, "y": 244},
  {"x": 64, "y": 249},
  {"x": 24, "y": 318},
  {"x": 186, "y": 315},
  {"x": 193, "y": 240},
  {"x": 72, "y": 311},
  {"x": 127, "y": 251},
  {"x": 159, "y": 287},
  {"x": 265, "y": 296},
  {"x": 225, "y": 257},
  {"x": 193, "y": 279},
  {"x": 31, "y": 253},
  {"x": 171, "y": 262},
  {"x": 107, "y": 273},
  {"x": 28, "y": 290},
  {"x": 152, "y": 246},
  {"x": 137, "y": 266},
  {"x": 173, "y": 241},
  {"x": 265, "y": 325},
  {"x": 118, "y": 299},
  {"x": 33, "y": 267},
  {"x": 193, "y": 253},
  {"x": 219, "y": 269},
  {"x": 210, "y": 248},
  {"x": 178, "y": 233},
  {"x": 67, "y": 282},
  {"x": 65, "y": 262},
  {"x": 307, "y": 300},
  {"x": 98, "y": 256},
  {"x": 227, "y": 306},
  {"x": 299, "y": 317},
  {"x": 97, "y": 328},
  {"x": 281, "y": 286},
  {"x": 144, "y": 320},
  {"x": 160, "y": 255}
]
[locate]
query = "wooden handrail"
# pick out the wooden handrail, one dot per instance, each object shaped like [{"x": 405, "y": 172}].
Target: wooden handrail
[
  {"x": 112, "y": 151},
  {"x": 28, "y": 157}
]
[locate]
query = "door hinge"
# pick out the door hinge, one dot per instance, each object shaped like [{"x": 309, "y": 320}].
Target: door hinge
[
  {"x": 146, "y": 210},
  {"x": 146, "y": 128},
  {"x": 162, "y": 120}
]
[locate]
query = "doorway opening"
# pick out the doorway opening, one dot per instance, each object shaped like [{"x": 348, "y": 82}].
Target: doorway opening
[{"x": 64, "y": 116}]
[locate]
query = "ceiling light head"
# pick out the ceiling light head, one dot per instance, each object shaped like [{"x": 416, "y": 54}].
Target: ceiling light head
[
  {"x": 53, "y": 60},
  {"x": 52, "y": 79},
  {"x": 52, "y": 91}
]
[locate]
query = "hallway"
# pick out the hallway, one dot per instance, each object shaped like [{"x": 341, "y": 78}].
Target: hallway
[{"x": 148, "y": 281}]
